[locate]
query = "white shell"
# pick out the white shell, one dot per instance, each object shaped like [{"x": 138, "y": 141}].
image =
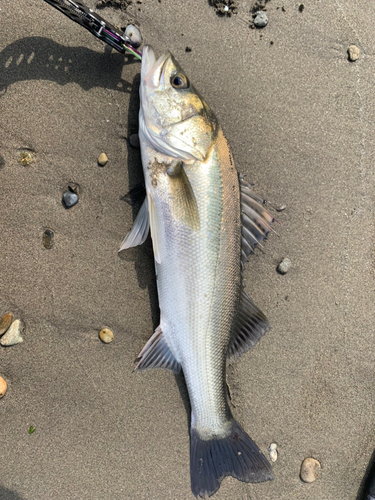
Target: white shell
[
  {"x": 310, "y": 470},
  {"x": 273, "y": 452},
  {"x": 13, "y": 335}
]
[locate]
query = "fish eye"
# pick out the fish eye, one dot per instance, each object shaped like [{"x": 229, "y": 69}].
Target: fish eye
[{"x": 179, "y": 81}]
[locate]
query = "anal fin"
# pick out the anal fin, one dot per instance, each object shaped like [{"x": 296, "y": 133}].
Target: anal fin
[
  {"x": 251, "y": 325},
  {"x": 157, "y": 354}
]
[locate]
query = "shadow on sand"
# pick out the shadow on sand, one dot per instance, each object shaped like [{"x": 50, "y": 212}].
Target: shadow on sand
[
  {"x": 38, "y": 58},
  {"x": 368, "y": 482},
  {"x": 6, "y": 494}
]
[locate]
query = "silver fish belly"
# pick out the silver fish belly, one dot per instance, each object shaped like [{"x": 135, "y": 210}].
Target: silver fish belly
[{"x": 204, "y": 222}]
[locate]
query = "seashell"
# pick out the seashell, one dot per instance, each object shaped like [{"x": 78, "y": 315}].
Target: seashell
[
  {"x": 106, "y": 335},
  {"x": 13, "y": 335},
  {"x": 134, "y": 34},
  {"x": 310, "y": 469},
  {"x": 5, "y": 322},
  {"x": 273, "y": 452}
]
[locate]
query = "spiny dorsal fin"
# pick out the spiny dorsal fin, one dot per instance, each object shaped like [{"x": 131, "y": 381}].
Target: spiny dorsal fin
[
  {"x": 140, "y": 229},
  {"x": 251, "y": 326},
  {"x": 157, "y": 354},
  {"x": 255, "y": 218}
]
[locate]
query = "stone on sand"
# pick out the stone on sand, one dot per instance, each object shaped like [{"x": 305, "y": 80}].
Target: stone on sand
[
  {"x": 5, "y": 322},
  {"x": 3, "y": 387},
  {"x": 13, "y": 335},
  {"x": 103, "y": 159},
  {"x": 106, "y": 335}
]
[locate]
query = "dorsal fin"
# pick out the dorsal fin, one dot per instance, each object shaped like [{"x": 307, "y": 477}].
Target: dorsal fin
[
  {"x": 251, "y": 326},
  {"x": 255, "y": 219},
  {"x": 157, "y": 354}
]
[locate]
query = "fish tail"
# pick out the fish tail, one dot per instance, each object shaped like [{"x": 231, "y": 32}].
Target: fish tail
[{"x": 235, "y": 455}]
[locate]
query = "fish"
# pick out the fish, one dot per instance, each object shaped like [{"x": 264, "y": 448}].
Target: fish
[{"x": 204, "y": 221}]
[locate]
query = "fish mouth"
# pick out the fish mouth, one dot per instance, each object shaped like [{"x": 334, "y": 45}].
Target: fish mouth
[{"x": 152, "y": 69}]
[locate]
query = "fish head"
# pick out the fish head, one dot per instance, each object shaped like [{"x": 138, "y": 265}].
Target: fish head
[{"x": 174, "y": 118}]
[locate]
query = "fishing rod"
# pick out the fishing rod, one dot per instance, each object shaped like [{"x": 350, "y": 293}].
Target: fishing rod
[{"x": 99, "y": 27}]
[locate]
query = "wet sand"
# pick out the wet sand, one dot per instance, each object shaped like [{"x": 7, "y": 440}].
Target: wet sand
[{"x": 300, "y": 120}]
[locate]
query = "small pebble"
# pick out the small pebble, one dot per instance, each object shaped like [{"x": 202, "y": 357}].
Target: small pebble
[
  {"x": 5, "y": 322},
  {"x": 225, "y": 7},
  {"x": 281, "y": 208},
  {"x": 134, "y": 34},
  {"x": 26, "y": 159},
  {"x": 187, "y": 49},
  {"x": 103, "y": 159},
  {"x": 47, "y": 239},
  {"x": 3, "y": 387},
  {"x": 284, "y": 266},
  {"x": 13, "y": 335},
  {"x": 261, "y": 19},
  {"x": 106, "y": 335},
  {"x": 69, "y": 199},
  {"x": 134, "y": 141},
  {"x": 353, "y": 53},
  {"x": 310, "y": 469},
  {"x": 273, "y": 452}
]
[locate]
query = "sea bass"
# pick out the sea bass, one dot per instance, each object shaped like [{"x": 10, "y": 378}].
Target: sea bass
[{"x": 204, "y": 222}]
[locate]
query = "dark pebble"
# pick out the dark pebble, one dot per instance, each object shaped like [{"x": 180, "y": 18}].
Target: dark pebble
[
  {"x": 261, "y": 19},
  {"x": 134, "y": 141},
  {"x": 69, "y": 199},
  {"x": 48, "y": 237},
  {"x": 188, "y": 49}
]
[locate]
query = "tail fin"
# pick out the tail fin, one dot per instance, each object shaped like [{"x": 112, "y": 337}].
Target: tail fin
[{"x": 235, "y": 455}]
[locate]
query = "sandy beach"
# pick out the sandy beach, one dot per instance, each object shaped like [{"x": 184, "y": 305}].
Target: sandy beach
[{"x": 299, "y": 116}]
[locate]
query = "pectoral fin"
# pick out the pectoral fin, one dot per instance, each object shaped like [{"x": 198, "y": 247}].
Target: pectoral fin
[
  {"x": 140, "y": 229},
  {"x": 251, "y": 326},
  {"x": 183, "y": 202},
  {"x": 154, "y": 230}
]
